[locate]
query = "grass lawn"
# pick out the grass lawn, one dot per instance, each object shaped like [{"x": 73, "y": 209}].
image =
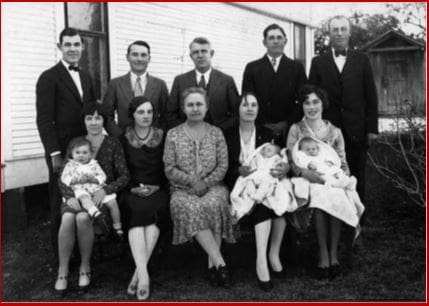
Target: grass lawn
[{"x": 389, "y": 263}]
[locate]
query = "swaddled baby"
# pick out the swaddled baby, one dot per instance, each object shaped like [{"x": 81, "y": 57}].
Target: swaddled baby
[
  {"x": 260, "y": 186},
  {"x": 310, "y": 156}
]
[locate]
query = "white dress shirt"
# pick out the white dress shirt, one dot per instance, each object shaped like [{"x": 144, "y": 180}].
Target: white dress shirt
[
  {"x": 143, "y": 80},
  {"x": 339, "y": 60},
  {"x": 75, "y": 76},
  {"x": 276, "y": 67},
  {"x": 206, "y": 76}
]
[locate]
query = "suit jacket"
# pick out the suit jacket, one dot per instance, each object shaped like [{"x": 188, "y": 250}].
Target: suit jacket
[
  {"x": 119, "y": 95},
  {"x": 352, "y": 94},
  {"x": 223, "y": 99},
  {"x": 277, "y": 92},
  {"x": 59, "y": 107},
  {"x": 232, "y": 138}
]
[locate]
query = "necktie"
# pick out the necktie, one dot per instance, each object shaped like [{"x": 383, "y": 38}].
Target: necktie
[
  {"x": 202, "y": 82},
  {"x": 274, "y": 62},
  {"x": 74, "y": 68},
  {"x": 138, "y": 90},
  {"x": 340, "y": 52}
]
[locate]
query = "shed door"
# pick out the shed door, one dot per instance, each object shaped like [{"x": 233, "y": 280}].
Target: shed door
[{"x": 395, "y": 85}]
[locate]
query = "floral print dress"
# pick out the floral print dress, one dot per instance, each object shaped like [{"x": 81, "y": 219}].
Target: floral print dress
[{"x": 191, "y": 213}]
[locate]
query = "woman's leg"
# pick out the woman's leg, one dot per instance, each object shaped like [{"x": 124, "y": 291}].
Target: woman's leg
[
  {"x": 66, "y": 241},
  {"x": 151, "y": 233},
  {"x": 207, "y": 240},
  {"x": 335, "y": 227},
  {"x": 277, "y": 233},
  {"x": 218, "y": 239},
  {"x": 262, "y": 233},
  {"x": 85, "y": 237},
  {"x": 138, "y": 245},
  {"x": 321, "y": 224}
]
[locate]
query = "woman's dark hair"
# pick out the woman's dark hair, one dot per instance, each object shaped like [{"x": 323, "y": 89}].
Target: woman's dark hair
[
  {"x": 91, "y": 108},
  {"x": 74, "y": 143},
  {"x": 308, "y": 89},
  {"x": 244, "y": 96},
  {"x": 135, "y": 103}
]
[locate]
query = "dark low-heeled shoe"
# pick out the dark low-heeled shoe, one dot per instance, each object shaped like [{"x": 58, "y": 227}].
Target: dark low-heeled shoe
[
  {"x": 322, "y": 273},
  {"x": 335, "y": 270},
  {"x": 212, "y": 276},
  {"x": 266, "y": 286},
  {"x": 278, "y": 274},
  {"x": 225, "y": 279}
]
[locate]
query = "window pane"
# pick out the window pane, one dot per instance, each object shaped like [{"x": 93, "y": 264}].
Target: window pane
[
  {"x": 94, "y": 60},
  {"x": 86, "y": 16}
]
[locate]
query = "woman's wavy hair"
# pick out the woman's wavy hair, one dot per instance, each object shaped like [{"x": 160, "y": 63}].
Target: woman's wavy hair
[
  {"x": 192, "y": 90},
  {"x": 244, "y": 96},
  {"x": 91, "y": 108},
  {"x": 135, "y": 103},
  {"x": 308, "y": 89}
]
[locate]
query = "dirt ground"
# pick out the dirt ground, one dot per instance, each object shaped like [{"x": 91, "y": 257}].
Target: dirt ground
[{"x": 389, "y": 263}]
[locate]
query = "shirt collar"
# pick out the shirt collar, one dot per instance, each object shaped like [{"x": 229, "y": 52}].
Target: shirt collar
[
  {"x": 135, "y": 76},
  {"x": 206, "y": 75},
  {"x": 277, "y": 58},
  {"x": 66, "y": 65}
]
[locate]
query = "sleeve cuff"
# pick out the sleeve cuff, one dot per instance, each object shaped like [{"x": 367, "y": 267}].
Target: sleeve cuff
[{"x": 55, "y": 153}]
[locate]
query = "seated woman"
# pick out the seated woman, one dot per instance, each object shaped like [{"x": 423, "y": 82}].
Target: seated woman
[
  {"x": 242, "y": 141},
  {"x": 196, "y": 160},
  {"x": 332, "y": 206},
  {"x": 147, "y": 197},
  {"x": 110, "y": 155}
]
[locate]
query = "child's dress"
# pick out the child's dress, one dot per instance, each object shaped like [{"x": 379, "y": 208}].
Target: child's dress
[
  {"x": 261, "y": 187},
  {"x": 75, "y": 171}
]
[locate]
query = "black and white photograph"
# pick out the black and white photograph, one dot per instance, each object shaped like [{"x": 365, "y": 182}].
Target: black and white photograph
[{"x": 213, "y": 151}]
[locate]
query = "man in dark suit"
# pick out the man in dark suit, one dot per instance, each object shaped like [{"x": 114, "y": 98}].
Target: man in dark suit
[
  {"x": 61, "y": 93},
  {"x": 347, "y": 77},
  {"x": 221, "y": 89},
  {"x": 275, "y": 79},
  {"x": 137, "y": 82}
]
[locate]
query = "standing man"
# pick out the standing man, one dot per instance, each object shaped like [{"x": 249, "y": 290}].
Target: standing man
[
  {"x": 220, "y": 87},
  {"x": 276, "y": 80},
  {"x": 61, "y": 93},
  {"x": 137, "y": 82},
  {"x": 347, "y": 77}
]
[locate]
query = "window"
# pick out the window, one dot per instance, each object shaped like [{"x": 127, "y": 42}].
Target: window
[
  {"x": 90, "y": 18},
  {"x": 299, "y": 43}
]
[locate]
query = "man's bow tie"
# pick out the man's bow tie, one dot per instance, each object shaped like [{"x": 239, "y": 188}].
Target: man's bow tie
[
  {"x": 74, "y": 68},
  {"x": 340, "y": 52}
]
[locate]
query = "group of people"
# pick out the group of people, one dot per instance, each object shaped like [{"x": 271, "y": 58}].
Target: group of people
[{"x": 205, "y": 156}]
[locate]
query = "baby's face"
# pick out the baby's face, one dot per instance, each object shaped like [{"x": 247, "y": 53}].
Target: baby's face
[
  {"x": 270, "y": 151},
  {"x": 81, "y": 154},
  {"x": 310, "y": 148}
]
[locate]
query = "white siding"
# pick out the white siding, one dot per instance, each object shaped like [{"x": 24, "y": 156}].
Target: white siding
[
  {"x": 235, "y": 34},
  {"x": 29, "y": 32}
]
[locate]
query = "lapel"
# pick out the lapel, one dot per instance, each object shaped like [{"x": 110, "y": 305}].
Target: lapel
[
  {"x": 284, "y": 64},
  {"x": 350, "y": 60},
  {"x": 214, "y": 83},
  {"x": 68, "y": 81},
  {"x": 150, "y": 86},
  {"x": 267, "y": 66},
  {"x": 191, "y": 79},
  {"x": 125, "y": 87},
  {"x": 85, "y": 83},
  {"x": 332, "y": 68}
]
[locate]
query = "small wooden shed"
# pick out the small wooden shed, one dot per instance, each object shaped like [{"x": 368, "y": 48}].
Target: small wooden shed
[{"x": 398, "y": 63}]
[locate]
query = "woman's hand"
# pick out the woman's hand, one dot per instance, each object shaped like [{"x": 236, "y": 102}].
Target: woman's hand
[
  {"x": 245, "y": 171},
  {"x": 280, "y": 170},
  {"x": 145, "y": 190},
  {"x": 200, "y": 187},
  {"x": 73, "y": 203},
  {"x": 312, "y": 176},
  {"x": 98, "y": 197}
]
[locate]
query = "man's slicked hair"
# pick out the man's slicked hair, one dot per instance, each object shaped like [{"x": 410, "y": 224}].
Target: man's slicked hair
[
  {"x": 200, "y": 40},
  {"x": 138, "y": 43},
  {"x": 69, "y": 32},
  {"x": 273, "y": 26}
]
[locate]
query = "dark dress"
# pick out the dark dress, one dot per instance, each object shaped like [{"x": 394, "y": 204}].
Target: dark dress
[
  {"x": 260, "y": 213},
  {"x": 146, "y": 167}
]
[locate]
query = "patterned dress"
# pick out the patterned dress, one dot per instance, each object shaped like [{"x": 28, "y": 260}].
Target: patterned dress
[
  {"x": 331, "y": 200},
  {"x": 191, "y": 213},
  {"x": 111, "y": 158}
]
